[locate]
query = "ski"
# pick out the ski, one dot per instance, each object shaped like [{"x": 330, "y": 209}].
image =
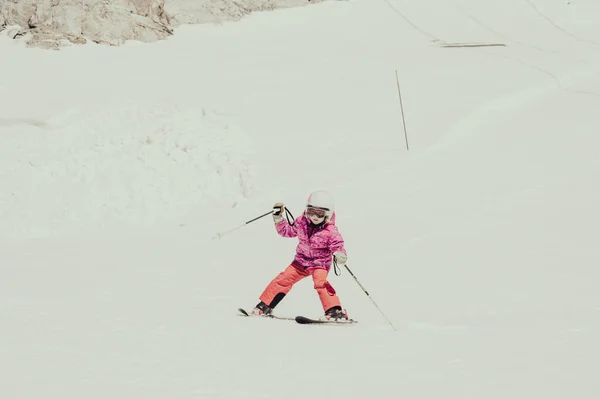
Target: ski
[
  {"x": 244, "y": 313},
  {"x": 299, "y": 319},
  {"x": 307, "y": 320}
]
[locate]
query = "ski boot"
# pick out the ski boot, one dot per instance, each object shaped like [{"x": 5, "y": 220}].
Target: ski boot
[
  {"x": 261, "y": 310},
  {"x": 335, "y": 314}
]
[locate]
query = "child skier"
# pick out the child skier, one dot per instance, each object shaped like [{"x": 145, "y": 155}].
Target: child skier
[{"x": 319, "y": 240}]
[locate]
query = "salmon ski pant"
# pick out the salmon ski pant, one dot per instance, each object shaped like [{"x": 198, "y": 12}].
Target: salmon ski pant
[{"x": 282, "y": 284}]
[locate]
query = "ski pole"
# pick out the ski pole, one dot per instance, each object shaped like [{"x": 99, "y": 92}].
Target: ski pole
[
  {"x": 402, "y": 110},
  {"x": 219, "y": 235},
  {"x": 365, "y": 291}
]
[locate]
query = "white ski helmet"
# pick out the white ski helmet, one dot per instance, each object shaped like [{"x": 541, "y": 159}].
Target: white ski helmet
[{"x": 321, "y": 200}]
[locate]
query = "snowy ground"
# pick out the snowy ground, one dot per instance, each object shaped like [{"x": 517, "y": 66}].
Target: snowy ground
[{"x": 118, "y": 166}]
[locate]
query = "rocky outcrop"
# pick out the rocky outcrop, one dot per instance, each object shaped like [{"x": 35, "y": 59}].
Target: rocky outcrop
[
  {"x": 49, "y": 23},
  {"x": 52, "y": 23}
]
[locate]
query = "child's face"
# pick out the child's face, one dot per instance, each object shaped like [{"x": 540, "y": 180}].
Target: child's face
[
  {"x": 316, "y": 219},
  {"x": 315, "y": 215}
]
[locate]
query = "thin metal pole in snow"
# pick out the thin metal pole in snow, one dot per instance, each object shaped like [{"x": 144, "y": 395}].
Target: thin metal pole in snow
[
  {"x": 365, "y": 291},
  {"x": 402, "y": 109}
]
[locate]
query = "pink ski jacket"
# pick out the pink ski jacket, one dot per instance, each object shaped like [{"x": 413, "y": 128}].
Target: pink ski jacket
[{"x": 317, "y": 244}]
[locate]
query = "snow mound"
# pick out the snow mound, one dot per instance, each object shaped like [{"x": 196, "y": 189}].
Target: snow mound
[
  {"x": 208, "y": 11},
  {"x": 133, "y": 165}
]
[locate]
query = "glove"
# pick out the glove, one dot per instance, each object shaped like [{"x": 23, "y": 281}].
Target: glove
[
  {"x": 278, "y": 210},
  {"x": 340, "y": 258}
]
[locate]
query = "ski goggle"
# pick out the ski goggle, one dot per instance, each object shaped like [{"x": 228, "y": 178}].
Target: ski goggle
[{"x": 318, "y": 212}]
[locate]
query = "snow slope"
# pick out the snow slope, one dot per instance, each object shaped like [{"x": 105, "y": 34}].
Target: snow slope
[{"x": 120, "y": 165}]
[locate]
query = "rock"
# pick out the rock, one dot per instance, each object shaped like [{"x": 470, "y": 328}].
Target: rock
[{"x": 14, "y": 31}]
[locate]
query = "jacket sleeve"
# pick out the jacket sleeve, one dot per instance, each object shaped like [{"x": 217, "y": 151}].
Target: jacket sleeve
[
  {"x": 285, "y": 230},
  {"x": 336, "y": 242}
]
